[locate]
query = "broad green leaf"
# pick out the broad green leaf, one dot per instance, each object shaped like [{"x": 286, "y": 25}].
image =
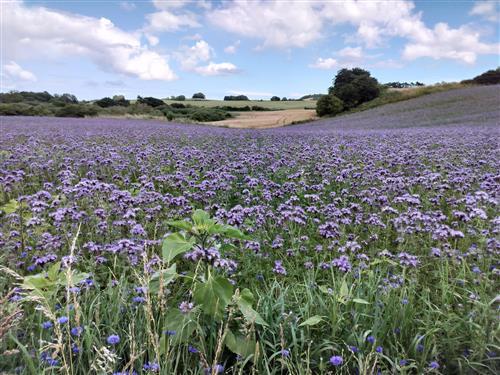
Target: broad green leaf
[
  {"x": 174, "y": 245},
  {"x": 343, "y": 295},
  {"x": 167, "y": 275},
  {"x": 10, "y": 207},
  {"x": 202, "y": 219},
  {"x": 244, "y": 302},
  {"x": 77, "y": 278},
  {"x": 233, "y": 232},
  {"x": 214, "y": 295},
  {"x": 182, "y": 324},
  {"x": 53, "y": 271},
  {"x": 37, "y": 281},
  {"x": 360, "y": 301},
  {"x": 239, "y": 344},
  {"x": 180, "y": 224},
  {"x": 312, "y": 321}
]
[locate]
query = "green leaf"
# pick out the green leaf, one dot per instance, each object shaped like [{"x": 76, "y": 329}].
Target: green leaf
[
  {"x": 180, "y": 224},
  {"x": 10, "y": 207},
  {"x": 312, "y": 321},
  {"x": 183, "y": 325},
  {"x": 167, "y": 275},
  {"x": 214, "y": 295},
  {"x": 202, "y": 219},
  {"x": 343, "y": 295},
  {"x": 239, "y": 344},
  {"x": 244, "y": 302},
  {"x": 53, "y": 271},
  {"x": 38, "y": 281},
  {"x": 360, "y": 301},
  {"x": 174, "y": 245},
  {"x": 233, "y": 232}
]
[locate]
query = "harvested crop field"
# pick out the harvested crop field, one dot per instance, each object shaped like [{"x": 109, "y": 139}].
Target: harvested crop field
[
  {"x": 266, "y": 119},
  {"x": 361, "y": 244}
]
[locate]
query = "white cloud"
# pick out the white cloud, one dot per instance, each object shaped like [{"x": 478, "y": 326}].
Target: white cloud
[
  {"x": 14, "y": 72},
  {"x": 127, "y": 5},
  {"x": 216, "y": 69},
  {"x": 328, "y": 63},
  {"x": 276, "y": 23},
  {"x": 38, "y": 32},
  {"x": 166, "y": 20},
  {"x": 192, "y": 58},
  {"x": 351, "y": 52},
  {"x": 231, "y": 49},
  {"x": 169, "y": 4},
  {"x": 488, "y": 10},
  {"x": 442, "y": 42}
]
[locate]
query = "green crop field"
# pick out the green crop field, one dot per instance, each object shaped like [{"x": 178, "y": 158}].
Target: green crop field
[{"x": 292, "y": 104}]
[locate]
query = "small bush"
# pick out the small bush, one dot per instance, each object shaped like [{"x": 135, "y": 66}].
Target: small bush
[
  {"x": 150, "y": 101},
  {"x": 275, "y": 99},
  {"x": 236, "y": 97},
  {"x": 105, "y": 102},
  {"x": 76, "y": 110},
  {"x": 329, "y": 105},
  {"x": 177, "y": 105},
  {"x": 199, "y": 95},
  {"x": 208, "y": 114}
]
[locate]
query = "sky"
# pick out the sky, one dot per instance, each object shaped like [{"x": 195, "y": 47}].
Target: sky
[{"x": 97, "y": 48}]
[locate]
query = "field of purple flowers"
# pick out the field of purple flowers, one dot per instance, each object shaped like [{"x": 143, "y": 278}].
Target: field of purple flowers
[{"x": 362, "y": 244}]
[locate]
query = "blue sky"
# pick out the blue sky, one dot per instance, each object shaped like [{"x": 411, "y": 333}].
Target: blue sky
[{"x": 258, "y": 48}]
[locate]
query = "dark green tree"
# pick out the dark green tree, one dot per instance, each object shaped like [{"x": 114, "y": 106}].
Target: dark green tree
[{"x": 354, "y": 86}]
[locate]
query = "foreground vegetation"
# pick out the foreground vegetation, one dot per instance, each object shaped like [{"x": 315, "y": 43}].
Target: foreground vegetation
[{"x": 154, "y": 248}]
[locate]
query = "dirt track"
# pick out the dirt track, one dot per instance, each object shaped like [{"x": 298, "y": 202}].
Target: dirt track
[{"x": 266, "y": 119}]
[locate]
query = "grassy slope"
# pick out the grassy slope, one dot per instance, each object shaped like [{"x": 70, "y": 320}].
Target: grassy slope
[{"x": 397, "y": 95}]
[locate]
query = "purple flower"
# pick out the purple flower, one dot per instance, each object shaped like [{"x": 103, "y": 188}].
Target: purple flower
[
  {"x": 47, "y": 325},
  {"x": 192, "y": 349},
  {"x": 113, "y": 339},
  {"x": 336, "y": 360},
  {"x": 370, "y": 339},
  {"x": 434, "y": 365},
  {"x": 379, "y": 349},
  {"x": 278, "y": 268},
  {"x": 76, "y": 331},
  {"x": 186, "y": 307},
  {"x": 62, "y": 320}
]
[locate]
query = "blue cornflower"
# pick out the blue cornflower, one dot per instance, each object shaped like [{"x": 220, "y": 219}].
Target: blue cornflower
[
  {"x": 420, "y": 348},
  {"x": 285, "y": 353},
  {"x": 47, "y": 325},
  {"x": 353, "y": 348},
  {"x": 336, "y": 360},
  {"x": 370, "y": 339},
  {"x": 113, "y": 339},
  {"x": 379, "y": 349},
  {"x": 76, "y": 331},
  {"x": 169, "y": 332},
  {"x": 151, "y": 366},
  {"x": 192, "y": 349},
  {"x": 403, "y": 362},
  {"x": 63, "y": 320},
  {"x": 434, "y": 365}
]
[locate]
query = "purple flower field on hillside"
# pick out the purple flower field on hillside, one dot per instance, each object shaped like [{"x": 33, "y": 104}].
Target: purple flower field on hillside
[{"x": 371, "y": 243}]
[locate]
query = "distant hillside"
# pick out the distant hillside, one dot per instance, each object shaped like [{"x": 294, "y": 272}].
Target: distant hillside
[{"x": 469, "y": 105}]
